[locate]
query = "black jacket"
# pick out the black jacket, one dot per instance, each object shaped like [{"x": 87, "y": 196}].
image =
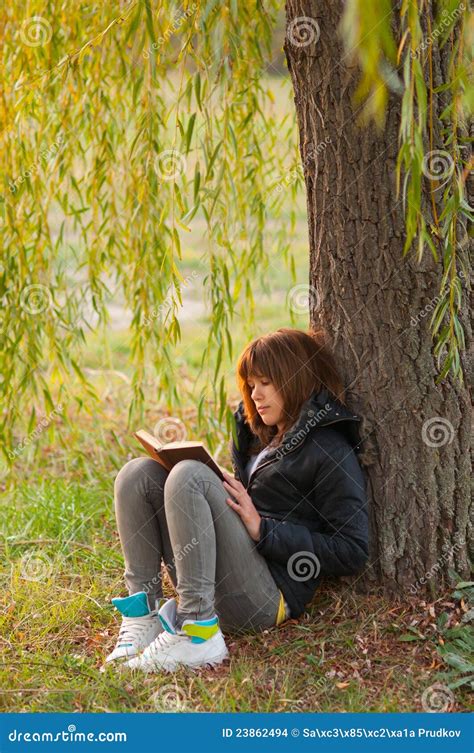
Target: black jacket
[{"x": 311, "y": 494}]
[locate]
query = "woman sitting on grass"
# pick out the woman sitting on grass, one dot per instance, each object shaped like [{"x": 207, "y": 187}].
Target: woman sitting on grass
[{"x": 247, "y": 553}]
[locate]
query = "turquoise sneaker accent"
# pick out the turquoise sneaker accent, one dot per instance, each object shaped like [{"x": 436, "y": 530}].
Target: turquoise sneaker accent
[
  {"x": 167, "y": 614},
  {"x": 165, "y": 624},
  {"x": 135, "y": 605},
  {"x": 210, "y": 621},
  {"x": 140, "y": 626}
]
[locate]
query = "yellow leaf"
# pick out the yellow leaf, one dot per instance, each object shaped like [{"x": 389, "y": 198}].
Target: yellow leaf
[
  {"x": 182, "y": 225},
  {"x": 84, "y": 51}
]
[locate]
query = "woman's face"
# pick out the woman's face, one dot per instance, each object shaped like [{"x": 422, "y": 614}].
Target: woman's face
[{"x": 268, "y": 400}]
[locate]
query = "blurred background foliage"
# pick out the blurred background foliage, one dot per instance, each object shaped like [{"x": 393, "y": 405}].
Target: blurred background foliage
[
  {"x": 144, "y": 153},
  {"x": 153, "y": 210}
]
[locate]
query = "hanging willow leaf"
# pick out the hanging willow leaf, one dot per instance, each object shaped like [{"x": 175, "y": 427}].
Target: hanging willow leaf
[
  {"x": 189, "y": 132},
  {"x": 439, "y": 313}
]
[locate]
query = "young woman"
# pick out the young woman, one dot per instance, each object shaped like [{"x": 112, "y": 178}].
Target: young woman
[{"x": 247, "y": 553}]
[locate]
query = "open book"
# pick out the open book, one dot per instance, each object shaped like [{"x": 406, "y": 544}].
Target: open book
[{"x": 172, "y": 452}]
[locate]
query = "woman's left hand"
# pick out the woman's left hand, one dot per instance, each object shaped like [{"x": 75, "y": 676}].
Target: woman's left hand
[{"x": 243, "y": 505}]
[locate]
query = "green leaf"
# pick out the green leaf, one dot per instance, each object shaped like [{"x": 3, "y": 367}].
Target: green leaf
[
  {"x": 149, "y": 20},
  {"x": 177, "y": 241},
  {"x": 442, "y": 621},
  {"x": 213, "y": 159},
  {"x": 49, "y": 402},
  {"x": 197, "y": 89},
  {"x": 438, "y": 314},
  {"x": 458, "y": 662},
  {"x": 196, "y": 184},
  {"x": 189, "y": 132},
  {"x": 32, "y": 421}
]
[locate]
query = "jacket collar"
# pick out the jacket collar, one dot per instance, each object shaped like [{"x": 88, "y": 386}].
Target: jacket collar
[{"x": 319, "y": 410}]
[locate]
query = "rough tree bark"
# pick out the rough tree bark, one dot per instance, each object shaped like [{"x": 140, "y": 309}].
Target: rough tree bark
[{"x": 376, "y": 308}]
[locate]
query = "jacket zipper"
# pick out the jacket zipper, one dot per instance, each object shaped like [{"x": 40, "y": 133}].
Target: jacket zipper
[{"x": 273, "y": 460}]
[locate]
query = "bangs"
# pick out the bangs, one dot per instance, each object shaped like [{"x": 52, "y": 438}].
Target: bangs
[{"x": 257, "y": 361}]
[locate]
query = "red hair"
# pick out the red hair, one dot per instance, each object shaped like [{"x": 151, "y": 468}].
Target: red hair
[{"x": 298, "y": 364}]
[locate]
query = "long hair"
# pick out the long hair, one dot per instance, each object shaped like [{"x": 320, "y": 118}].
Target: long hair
[{"x": 298, "y": 364}]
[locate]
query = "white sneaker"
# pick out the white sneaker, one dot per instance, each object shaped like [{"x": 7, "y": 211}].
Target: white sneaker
[
  {"x": 197, "y": 643},
  {"x": 140, "y": 626}
]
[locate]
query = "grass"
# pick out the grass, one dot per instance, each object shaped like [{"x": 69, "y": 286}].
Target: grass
[{"x": 348, "y": 653}]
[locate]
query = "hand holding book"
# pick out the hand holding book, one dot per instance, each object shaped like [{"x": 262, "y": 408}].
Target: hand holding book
[{"x": 172, "y": 452}]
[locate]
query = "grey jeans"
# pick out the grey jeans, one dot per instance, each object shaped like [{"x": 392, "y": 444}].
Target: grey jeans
[{"x": 181, "y": 518}]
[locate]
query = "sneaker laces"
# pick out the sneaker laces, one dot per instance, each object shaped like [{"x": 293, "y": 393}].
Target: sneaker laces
[
  {"x": 162, "y": 642},
  {"x": 132, "y": 628}
]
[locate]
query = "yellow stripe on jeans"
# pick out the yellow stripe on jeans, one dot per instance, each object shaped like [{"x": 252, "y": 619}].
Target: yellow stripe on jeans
[{"x": 281, "y": 614}]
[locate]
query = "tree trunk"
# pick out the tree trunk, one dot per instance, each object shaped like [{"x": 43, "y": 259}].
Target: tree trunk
[{"x": 376, "y": 308}]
